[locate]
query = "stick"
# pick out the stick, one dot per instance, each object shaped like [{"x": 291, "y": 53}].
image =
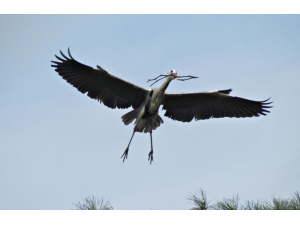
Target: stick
[
  {"x": 188, "y": 77},
  {"x": 157, "y": 77}
]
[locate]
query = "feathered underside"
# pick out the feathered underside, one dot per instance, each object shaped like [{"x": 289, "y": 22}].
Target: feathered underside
[
  {"x": 216, "y": 104},
  {"x": 149, "y": 125}
]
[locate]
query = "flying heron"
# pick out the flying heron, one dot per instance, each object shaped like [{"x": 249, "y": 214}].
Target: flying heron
[{"x": 117, "y": 93}]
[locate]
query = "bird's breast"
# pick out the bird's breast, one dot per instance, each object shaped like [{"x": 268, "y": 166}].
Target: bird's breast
[
  {"x": 151, "y": 107},
  {"x": 155, "y": 99}
]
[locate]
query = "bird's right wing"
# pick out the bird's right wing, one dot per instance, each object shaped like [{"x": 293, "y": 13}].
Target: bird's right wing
[
  {"x": 215, "y": 104},
  {"x": 99, "y": 84}
]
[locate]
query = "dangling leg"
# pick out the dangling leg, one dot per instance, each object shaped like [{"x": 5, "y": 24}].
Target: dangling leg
[
  {"x": 125, "y": 154},
  {"x": 150, "y": 155}
]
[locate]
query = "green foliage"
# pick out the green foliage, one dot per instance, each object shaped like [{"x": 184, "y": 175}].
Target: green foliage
[
  {"x": 93, "y": 203},
  {"x": 199, "y": 200},
  {"x": 251, "y": 205},
  {"x": 228, "y": 204},
  {"x": 295, "y": 201},
  {"x": 285, "y": 204}
]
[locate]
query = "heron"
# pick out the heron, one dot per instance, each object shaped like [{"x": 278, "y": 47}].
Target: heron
[{"x": 114, "y": 92}]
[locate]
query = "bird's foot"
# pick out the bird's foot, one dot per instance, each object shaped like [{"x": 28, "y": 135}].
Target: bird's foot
[
  {"x": 125, "y": 154},
  {"x": 150, "y": 156}
]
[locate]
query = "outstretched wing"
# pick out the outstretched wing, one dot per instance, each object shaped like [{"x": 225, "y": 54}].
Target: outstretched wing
[
  {"x": 99, "y": 84},
  {"x": 215, "y": 104}
]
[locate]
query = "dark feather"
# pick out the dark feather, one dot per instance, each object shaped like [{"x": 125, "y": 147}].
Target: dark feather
[
  {"x": 99, "y": 84},
  {"x": 206, "y": 105},
  {"x": 130, "y": 116}
]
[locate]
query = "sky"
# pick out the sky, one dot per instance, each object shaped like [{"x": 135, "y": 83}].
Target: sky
[{"x": 58, "y": 146}]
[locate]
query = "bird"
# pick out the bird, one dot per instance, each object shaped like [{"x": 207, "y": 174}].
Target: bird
[{"x": 114, "y": 92}]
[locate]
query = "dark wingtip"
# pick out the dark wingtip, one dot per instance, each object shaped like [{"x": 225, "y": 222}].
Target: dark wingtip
[
  {"x": 69, "y": 53},
  {"x": 266, "y": 105},
  {"x": 65, "y": 58},
  {"x": 64, "y": 55},
  {"x": 55, "y": 64},
  {"x": 225, "y": 91},
  {"x": 265, "y": 102}
]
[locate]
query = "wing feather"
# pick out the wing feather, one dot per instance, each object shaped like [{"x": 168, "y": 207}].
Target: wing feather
[
  {"x": 216, "y": 104},
  {"x": 99, "y": 84}
]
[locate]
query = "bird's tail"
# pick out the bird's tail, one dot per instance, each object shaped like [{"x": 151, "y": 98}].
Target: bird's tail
[
  {"x": 152, "y": 125},
  {"x": 130, "y": 116}
]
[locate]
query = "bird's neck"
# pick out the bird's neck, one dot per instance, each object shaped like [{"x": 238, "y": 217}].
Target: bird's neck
[
  {"x": 159, "y": 93},
  {"x": 166, "y": 83}
]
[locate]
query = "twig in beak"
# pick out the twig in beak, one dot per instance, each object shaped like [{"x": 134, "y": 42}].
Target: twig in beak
[
  {"x": 187, "y": 77},
  {"x": 162, "y": 77},
  {"x": 157, "y": 77}
]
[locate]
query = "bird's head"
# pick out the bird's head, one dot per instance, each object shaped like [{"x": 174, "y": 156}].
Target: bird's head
[{"x": 173, "y": 73}]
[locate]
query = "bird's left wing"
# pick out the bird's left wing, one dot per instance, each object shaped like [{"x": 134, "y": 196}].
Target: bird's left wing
[
  {"x": 99, "y": 84},
  {"x": 214, "y": 104}
]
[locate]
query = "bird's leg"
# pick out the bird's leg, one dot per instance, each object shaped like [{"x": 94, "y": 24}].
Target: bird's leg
[
  {"x": 125, "y": 154},
  {"x": 150, "y": 155}
]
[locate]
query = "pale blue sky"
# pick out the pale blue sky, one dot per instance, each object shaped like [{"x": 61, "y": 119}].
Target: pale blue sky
[{"x": 58, "y": 146}]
